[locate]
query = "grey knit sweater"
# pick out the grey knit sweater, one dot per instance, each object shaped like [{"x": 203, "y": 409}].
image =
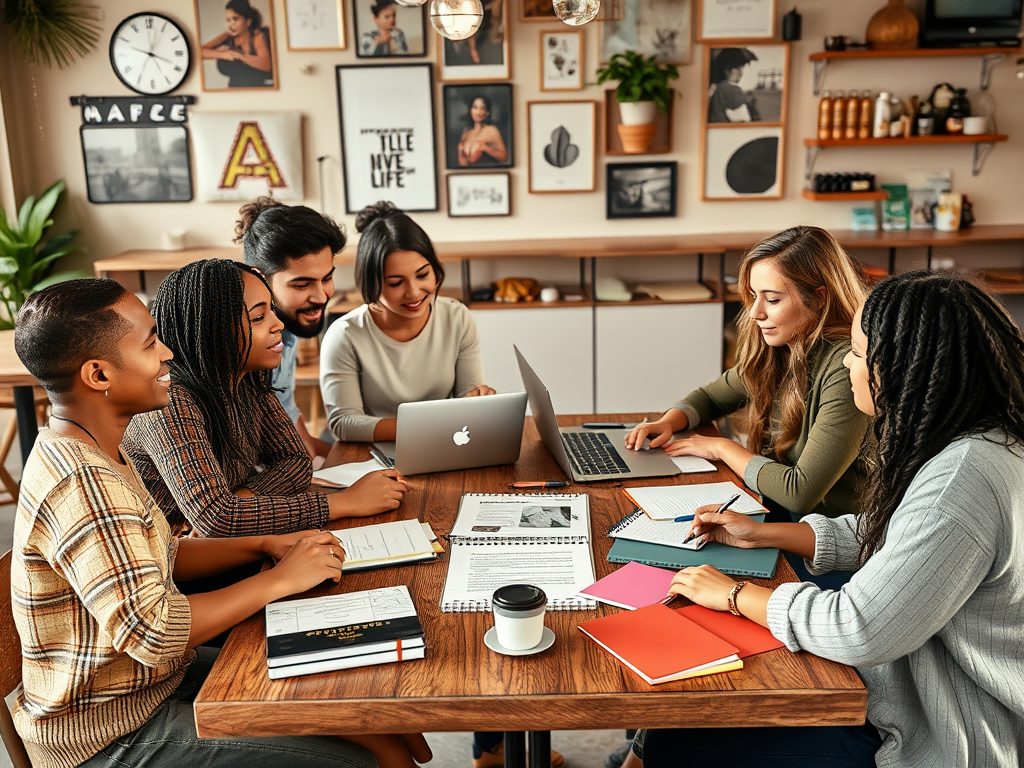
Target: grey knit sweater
[{"x": 934, "y": 621}]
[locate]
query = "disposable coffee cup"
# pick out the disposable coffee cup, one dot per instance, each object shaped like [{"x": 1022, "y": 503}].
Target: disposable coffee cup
[{"x": 519, "y": 616}]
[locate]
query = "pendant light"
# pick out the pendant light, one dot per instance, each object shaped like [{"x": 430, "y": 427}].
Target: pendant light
[
  {"x": 456, "y": 19},
  {"x": 576, "y": 13}
]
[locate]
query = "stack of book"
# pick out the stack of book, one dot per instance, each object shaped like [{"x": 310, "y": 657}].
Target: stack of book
[{"x": 358, "y": 629}]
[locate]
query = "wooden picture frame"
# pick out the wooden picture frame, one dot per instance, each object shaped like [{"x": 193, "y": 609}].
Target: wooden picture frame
[
  {"x": 746, "y": 85},
  {"x": 561, "y": 60},
  {"x": 742, "y": 162},
  {"x": 387, "y": 144},
  {"x": 661, "y": 144},
  {"x": 479, "y": 194},
  {"x": 641, "y": 190},
  {"x": 536, "y": 10},
  {"x": 410, "y": 24},
  {"x": 313, "y": 25},
  {"x": 562, "y": 146},
  {"x": 484, "y": 57},
  {"x": 224, "y": 74},
  {"x": 462, "y": 133},
  {"x": 660, "y": 28},
  {"x": 749, "y": 21}
]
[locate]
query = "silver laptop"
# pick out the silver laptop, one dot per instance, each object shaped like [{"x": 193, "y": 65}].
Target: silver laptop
[
  {"x": 587, "y": 455},
  {"x": 458, "y": 433}
]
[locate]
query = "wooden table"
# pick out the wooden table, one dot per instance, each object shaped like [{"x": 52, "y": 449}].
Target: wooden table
[
  {"x": 14, "y": 374},
  {"x": 462, "y": 686}
]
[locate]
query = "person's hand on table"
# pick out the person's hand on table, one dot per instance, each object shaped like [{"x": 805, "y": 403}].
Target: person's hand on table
[
  {"x": 729, "y": 528},
  {"x": 659, "y": 431},
  {"x": 370, "y": 495},
  {"x": 709, "y": 448},
  {"x": 705, "y": 585},
  {"x": 479, "y": 390},
  {"x": 308, "y": 562},
  {"x": 278, "y": 545}
]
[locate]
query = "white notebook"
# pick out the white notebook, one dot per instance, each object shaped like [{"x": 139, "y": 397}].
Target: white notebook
[
  {"x": 538, "y": 538},
  {"x": 667, "y": 502},
  {"x": 381, "y": 544}
]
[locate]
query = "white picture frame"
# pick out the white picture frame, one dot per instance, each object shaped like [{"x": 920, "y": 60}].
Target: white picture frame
[
  {"x": 736, "y": 20},
  {"x": 561, "y": 60},
  {"x": 486, "y": 56},
  {"x": 563, "y": 145},
  {"x": 386, "y": 117},
  {"x": 742, "y": 162},
  {"x": 659, "y": 28},
  {"x": 314, "y": 25},
  {"x": 479, "y": 194}
]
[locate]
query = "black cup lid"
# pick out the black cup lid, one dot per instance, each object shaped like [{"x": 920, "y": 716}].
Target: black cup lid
[{"x": 519, "y": 597}]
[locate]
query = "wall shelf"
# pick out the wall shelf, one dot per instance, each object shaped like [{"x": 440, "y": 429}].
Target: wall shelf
[
  {"x": 990, "y": 56},
  {"x": 876, "y": 194},
  {"x": 983, "y": 145}
]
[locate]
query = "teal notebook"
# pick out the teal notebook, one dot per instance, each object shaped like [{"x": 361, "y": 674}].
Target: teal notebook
[{"x": 738, "y": 562}]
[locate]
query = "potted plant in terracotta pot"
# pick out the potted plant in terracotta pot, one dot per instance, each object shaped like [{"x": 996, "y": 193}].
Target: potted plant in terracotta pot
[{"x": 643, "y": 87}]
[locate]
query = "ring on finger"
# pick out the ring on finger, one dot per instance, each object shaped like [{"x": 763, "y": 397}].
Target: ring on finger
[{"x": 331, "y": 550}]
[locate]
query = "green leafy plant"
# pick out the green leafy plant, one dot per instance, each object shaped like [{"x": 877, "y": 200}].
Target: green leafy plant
[
  {"x": 52, "y": 31},
  {"x": 639, "y": 78},
  {"x": 26, "y": 262}
]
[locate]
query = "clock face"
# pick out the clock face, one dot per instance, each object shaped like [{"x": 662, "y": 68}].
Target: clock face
[{"x": 150, "y": 54}]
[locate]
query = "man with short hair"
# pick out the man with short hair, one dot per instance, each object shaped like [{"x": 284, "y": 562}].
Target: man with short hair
[{"x": 294, "y": 248}]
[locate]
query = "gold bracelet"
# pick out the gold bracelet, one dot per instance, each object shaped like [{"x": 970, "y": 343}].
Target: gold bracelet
[{"x": 732, "y": 597}]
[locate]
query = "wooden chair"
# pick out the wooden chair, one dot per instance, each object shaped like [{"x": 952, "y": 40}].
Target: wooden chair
[
  {"x": 10, "y": 487},
  {"x": 10, "y": 667}
]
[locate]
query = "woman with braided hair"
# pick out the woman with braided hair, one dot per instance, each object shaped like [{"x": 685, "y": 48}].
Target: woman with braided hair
[
  {"x": 224, "y": 458},
  {"x": 932, "y": 617}
]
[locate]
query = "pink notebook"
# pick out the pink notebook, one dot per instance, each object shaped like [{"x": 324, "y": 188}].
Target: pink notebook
[{"x": 632, "y": 586}]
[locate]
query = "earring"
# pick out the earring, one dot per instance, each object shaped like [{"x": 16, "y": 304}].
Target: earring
[{"x": 106, "y": 391}]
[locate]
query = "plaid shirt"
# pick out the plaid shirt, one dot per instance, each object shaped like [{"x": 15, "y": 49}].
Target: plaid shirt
[
  {"x": 172, "y": 450},
  {"x": 103, "y": 628}
]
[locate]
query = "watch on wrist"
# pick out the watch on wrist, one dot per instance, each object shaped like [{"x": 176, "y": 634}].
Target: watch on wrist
[{"x": 733, "y": 593}]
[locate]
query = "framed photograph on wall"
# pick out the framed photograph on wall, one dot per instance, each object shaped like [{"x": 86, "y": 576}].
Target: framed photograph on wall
[
  {"x": 143, "y": 164},
  {"x": 735, "y": 20},
  {"x": 478, "y": 126},
  {"x": 536, "y": 10},
  {"x": 746, "y": 84},
  {"x": 742, "y": 163},
  {"x": 479, "y": 194},
  {"x": 561, "y": 60},
  {"x": 386, "y": 114},
  {"x": 641, "y": 190},
  {"x": 384, "y": 29},
  {"x": 660, "y": 28},
  {"x": 563, "y": 145},
  {"x": 485, "y": 55},
  {"x": 314, "y": 25},
  {"x": 221, "y": 48}
]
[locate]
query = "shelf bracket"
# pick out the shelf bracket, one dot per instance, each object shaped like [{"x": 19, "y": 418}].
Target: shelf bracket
[
  {"x": 810, "y": 158},
  {"x": 988, "y": 63},
  {"x": 819, "y": 74},
  {"x": 981, "y": 152}
]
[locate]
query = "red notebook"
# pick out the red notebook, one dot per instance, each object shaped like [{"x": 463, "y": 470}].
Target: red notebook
[
  {"x": 661, "y": 645},
  {"x": 748, "y": 636}
]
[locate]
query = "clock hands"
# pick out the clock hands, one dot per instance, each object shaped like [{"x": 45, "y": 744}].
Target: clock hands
[{"x": 150, "y": 53}]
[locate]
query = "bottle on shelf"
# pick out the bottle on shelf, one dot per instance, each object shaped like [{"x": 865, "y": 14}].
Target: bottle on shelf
[
  {"x": 825, "y": 116},
  {"x": 959, "y": 108},
  {"x": 867, "y": 108},
  {"x": 838, "y": 115},
  {"x": 883, "y": 115},
  {"x": 925, "y": 119},
  {"x": 852, "y": 115}
]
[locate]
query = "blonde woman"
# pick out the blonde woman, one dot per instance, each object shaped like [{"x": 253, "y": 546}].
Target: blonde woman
[{"x": 806, "y": 447}]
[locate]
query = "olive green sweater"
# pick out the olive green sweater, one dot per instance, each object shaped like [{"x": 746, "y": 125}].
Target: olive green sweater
[{"x": 823, "y": 470}]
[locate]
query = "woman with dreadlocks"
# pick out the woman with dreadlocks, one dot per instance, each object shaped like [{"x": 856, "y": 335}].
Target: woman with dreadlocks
[
  {"x": 224, "y": 457},
  {"x": 932, "y": 617},
  {"x": 805, "y": 446}
]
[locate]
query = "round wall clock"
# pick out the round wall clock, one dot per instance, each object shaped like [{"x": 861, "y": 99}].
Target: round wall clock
[{"x": 150, "y": 54}]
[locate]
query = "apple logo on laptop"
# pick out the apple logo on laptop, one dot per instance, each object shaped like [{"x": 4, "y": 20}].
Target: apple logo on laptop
[{"x": 462, "y": 437}]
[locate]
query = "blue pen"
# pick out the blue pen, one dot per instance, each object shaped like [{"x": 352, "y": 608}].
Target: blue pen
[
  {"x": 718, "y": 511},
  {"x": 683, "y": 518}
]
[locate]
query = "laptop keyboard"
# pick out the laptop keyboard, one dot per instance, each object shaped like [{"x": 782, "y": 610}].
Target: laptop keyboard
[{"x": 592, "y": 453}]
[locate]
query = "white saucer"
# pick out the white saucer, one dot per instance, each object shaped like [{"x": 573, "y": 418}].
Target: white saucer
[{"x": 547, "y": 639}]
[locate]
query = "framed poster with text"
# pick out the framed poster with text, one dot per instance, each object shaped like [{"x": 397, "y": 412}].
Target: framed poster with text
[{"x": 386, "y": 113}]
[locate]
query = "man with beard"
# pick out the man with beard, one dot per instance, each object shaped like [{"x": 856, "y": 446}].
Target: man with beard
[{"x": 294, "y": 248}]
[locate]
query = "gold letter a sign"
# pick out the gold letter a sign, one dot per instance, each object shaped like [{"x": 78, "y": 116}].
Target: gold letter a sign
[{"x": 251, "y": 158}]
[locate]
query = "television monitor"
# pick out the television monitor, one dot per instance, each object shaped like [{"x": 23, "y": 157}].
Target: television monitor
[{"x": 954, "y": 23}]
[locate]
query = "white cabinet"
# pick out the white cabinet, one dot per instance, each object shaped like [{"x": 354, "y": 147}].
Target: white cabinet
[
  {"x": 649, "y": 356},
  {"x": 558, "y": 342}
]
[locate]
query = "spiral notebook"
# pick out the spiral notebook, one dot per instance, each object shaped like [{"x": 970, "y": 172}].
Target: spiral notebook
[{"x": 537, "y": 538}]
